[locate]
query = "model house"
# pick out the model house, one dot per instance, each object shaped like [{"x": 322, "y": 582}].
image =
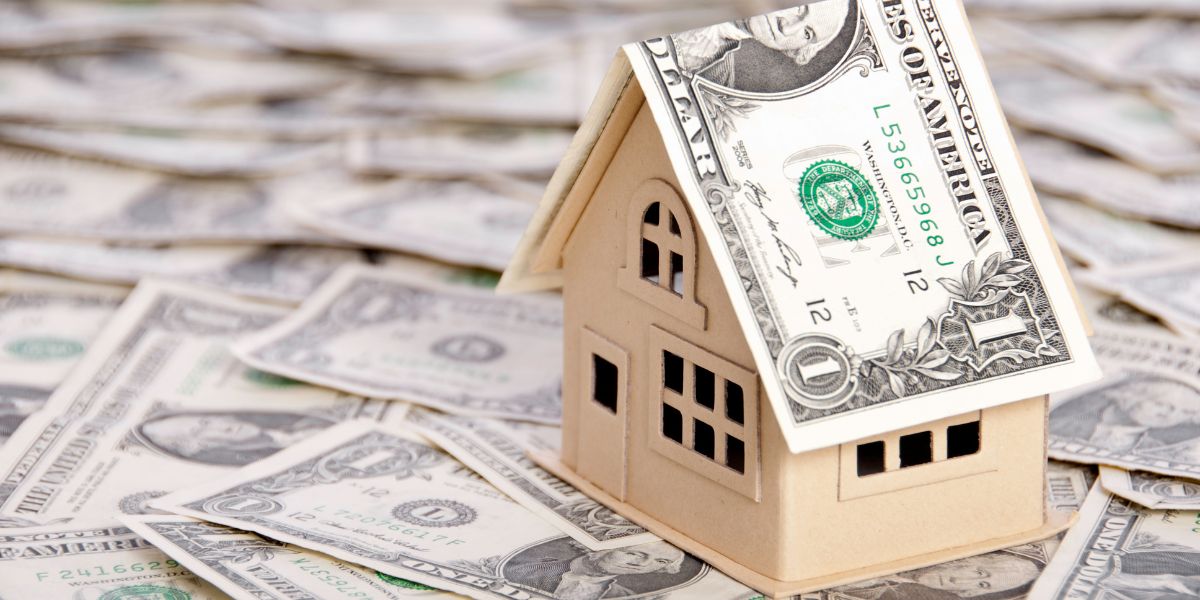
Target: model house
[{"x": 665, "y": 418}]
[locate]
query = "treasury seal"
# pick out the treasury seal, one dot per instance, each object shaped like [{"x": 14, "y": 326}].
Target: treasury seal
[
  {"x": 839, "y": 200},
  {"x": 136, "y": 592}
]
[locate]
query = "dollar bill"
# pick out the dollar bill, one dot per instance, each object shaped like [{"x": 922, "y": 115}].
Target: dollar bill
[
  {"x": 158, "y": 403},
  {"x": 250, "y": 567},
  {"x": 497, "y": 454},
  {"x": 282, "y": 273},
  {"x": 1150, "y": 490},
  {"x": 1145, "y": 413},
  {"x": 1110, "y": 313},
  {"x": 196, "y": 155},
  {"x": 386, "y": 333},
  {"x": 1168, "y": 290},
  {"x": 1104, "y": 240},
  {"x": 377, "y": 497},
  {"x": 48, "y": 194},
  {"x": 858, "y": 249},
  {"x": 1086, "y": 8},
  {"x": 46, "y": 325},
  {"x": 463, "y": 149},
  {"x": 1122, "y": 122},
  {"x": 1121, "y": 550},
  {"x": 96, "y": 559},
  {"x": 459, "y": 221},
  {"x": 1069, "y": 169},
  {"x": 42, "y": 24},
  {"x": 1006, "y": 574},
  {"x": 128, "y": 80}
]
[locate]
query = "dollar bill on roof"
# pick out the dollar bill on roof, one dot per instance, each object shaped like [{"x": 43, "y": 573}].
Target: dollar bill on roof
[{"x": 850, "y": 168}]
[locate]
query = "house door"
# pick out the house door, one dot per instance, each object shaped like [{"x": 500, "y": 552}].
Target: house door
[{"x": 604, "y": 370}]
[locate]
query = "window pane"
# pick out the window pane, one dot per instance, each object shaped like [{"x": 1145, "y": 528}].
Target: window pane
[
  {"x": 870, "y": 458},
  {"x": 733, "y": 403},
  {"x": 962, "y": 440},
  {"x": 735, "y": 454},
  {"x": 702, "y": 440},
  {"x": 672, "y": 423},
  {"x": 916, "y": 449},
  {"x": 704, "y": 383},
  {"x": 674, "y": 225},
  {"x": 672, "y": 372},
  {"x": 649, "y": 260},
  {"x": 677, "y": 274},
  {"x": 604, "y": 383},
  {"x": 651, "y": 216}
]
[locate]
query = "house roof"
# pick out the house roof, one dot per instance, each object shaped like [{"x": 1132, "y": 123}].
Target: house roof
[{"x": 866, "y": 311}]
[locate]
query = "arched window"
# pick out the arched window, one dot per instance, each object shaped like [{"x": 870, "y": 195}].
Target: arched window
[{"x": 660, "y": 265}]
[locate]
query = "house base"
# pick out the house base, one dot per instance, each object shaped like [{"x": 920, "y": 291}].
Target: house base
[{"x": 775, "y": 588}]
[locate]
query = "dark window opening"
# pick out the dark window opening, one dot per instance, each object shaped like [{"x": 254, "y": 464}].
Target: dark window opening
[
  {"x": 649, "y": 260},
  {"x": 735, "y": 454},
  {"x": 604, "y": 383},
  {"x": 672, "y": 372},
  {"x": 870, "y": 458},
  {"x": 703, "y": 439},
  {"x": 674, "y": 225},
  {"x": 962, "y": 439},
  {"x": 672, "y": 423},
  {"x": 677, "y": 274},
  {"x": 651, "y": 216},
  {"x": 734, "y": 410},
  {"x": 916, "y": 449},
  {"x": 705, "y": 384}
]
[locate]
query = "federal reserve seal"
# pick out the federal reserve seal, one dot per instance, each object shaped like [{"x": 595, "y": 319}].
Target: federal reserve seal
[
  {"x": 435, "y": 513},
  {"x": 839, "y": 200},
  {"x": 817, "y": 371},
  {"x": 138, "y": 592}
]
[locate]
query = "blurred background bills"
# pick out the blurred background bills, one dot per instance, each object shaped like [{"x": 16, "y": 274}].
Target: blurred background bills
[{"x": 246, "y": 252}]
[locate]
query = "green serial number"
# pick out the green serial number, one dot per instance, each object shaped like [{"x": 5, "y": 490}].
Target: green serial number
[{"x": 105, "y": 571}]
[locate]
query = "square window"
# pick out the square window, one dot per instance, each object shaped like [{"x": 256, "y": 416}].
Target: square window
[
  {"x": 870, "y": 458},
  {"x": 916, "y": 449},
  {"x": 672, "y": 372},
  {"x": 672, "y": 423},
  {"x": 734, "y": 410},
  {"x": 703, "y": 439},
  {"x": 962, "y": 439},
  {"x": 735, "y": 454},
  {"x": 705, "y": 384},
  {"x": 649, "y": 260},
  {"x": 604, "y": 383}
]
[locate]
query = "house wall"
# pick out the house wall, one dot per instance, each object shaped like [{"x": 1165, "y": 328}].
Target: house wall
[{"x": 810, "y": 515}]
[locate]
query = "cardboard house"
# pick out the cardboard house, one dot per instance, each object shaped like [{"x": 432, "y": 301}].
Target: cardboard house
[{"x": 666, "y": 421}]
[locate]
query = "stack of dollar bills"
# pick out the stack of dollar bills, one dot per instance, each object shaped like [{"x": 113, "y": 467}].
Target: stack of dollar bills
[{"x": 249, "y": 346}]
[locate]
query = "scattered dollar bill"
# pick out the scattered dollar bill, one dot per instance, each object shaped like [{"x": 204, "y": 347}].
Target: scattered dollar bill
[
  {"x": 159, "y": 403},
  {"x": 48, "y": 194},
  {"x": 46, "y": 325},
  {"x": 933, "y": 226},
  {"x": 92, "y": 559},
  {"x": 386, "y": 333},
  {"x": 282, "y": 273},
  {"x": 459, "y": 221},
  {"x": 377, "y": 497},
  {"x": 1119, "y": 550},
  {"x": 250, "y": 567},
  {"x": 177, "y": 152},
  {"x": 1150, "y": 490},
  {"x": 1121, "y": 122},
  {"x": 1168, "y": 290},
  {"x": 1069, "y": 169},
  {"x": 1006, "y": 574},
  {"x": 1111, "y": 314},
  {"x": 1086, "y": 8},
  {"x": 38, "y": 24},
  {"x": 1102, "y": 239},
  {"x": 1145, "y": 413},
  {"x": 458, "y": 150},
  {"x": 496, "y": 453}
]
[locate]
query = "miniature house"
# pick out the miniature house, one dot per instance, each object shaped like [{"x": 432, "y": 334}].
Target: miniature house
[{"x": 665, "y": 419}]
